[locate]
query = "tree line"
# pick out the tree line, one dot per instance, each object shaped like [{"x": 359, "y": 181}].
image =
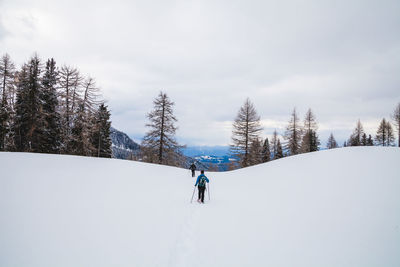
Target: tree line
[
  {"x": 300, "y": 137},
  {"x": 49, "y": 109},
  {"x": 248, "y": 147}
]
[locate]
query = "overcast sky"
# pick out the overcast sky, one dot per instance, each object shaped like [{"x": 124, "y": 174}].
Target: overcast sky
[{"x": 339, "y": 58}]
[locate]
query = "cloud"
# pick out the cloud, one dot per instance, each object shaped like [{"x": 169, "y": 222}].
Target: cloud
[{"x": 339, "y": 58}]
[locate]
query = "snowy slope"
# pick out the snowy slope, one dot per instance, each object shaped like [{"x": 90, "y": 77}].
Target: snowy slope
[{"x": 331, "y": 208}]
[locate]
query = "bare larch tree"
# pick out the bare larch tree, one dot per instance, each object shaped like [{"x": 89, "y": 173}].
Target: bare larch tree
[
  {"x": 246, "y": 130},
  {"x": 293, "y": 134},
  {"x": 396, "y": 119},
  {"x": 331, "y": 142},
  {"x": 159, "y": 143}
]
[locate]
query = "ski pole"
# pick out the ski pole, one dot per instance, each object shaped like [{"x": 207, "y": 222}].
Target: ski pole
[
  {"x": 208, "y": 189},
  {"x": 194, "y": 189}
]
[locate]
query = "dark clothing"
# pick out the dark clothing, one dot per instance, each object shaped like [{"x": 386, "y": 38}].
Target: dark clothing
[
  {"x": 202, "y": 189},
  {"x": 193, "y": 169}
]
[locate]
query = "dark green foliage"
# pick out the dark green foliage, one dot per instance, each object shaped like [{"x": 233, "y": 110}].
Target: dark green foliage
[
  {"x": 4, "y": 123},
  {"x": 37, "y": 125},
  {"x": 355, "y": 138},
  {"x": 79, "y": 143},
  {"x": 7, "y": 70},
  {"x": 293, "y": 134},
  {"x": 279, "y": 153},
  {"x": 255, "y": 152},
  {"x": 364, "y": 139},
  {"x": 396, "y": 120},
  {"x": 331, "y": 142},
  {"x": 310, "y": 141},
  {"x": 266, "y": 151},
  {"x": 370, "y": 142},
  {"x": 51, "y": 131},
  {"x": 28, "y": 108},
  {"x": 100, "y": 137}
]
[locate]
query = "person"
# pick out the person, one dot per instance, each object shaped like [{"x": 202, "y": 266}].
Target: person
[
  {"x": 201, "y": 183},
  {"x": 193, "y": 169}
]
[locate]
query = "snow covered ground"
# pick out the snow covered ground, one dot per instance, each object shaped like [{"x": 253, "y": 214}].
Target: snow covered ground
[{"x": 330, "y": 208}]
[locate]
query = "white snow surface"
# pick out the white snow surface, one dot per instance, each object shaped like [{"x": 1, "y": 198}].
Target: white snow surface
[{"x": 334, "y": 208}]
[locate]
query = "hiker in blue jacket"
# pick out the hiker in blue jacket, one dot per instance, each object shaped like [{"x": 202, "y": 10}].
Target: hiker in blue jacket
[{"x": 201, "y": 183}]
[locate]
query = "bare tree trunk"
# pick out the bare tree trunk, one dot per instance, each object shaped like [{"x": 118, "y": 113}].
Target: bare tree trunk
[{"x": 160, "y": 153}]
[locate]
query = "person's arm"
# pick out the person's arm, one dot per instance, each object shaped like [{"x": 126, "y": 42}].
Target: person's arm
[
  {"x": 207, "y": 179},
  {"x": 197, "y": 181}
]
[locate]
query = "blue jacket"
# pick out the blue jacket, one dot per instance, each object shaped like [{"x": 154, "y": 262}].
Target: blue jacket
[{"x": 198, "y": 179}]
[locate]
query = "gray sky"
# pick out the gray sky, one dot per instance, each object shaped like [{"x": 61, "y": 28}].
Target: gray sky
[{"x": 340, "y": 58}]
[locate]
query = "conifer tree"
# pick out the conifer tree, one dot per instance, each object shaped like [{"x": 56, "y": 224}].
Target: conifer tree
[
  {"x": 364, "y": 139},
  {"x": 7, "y": 70},
  {"x": 79, "y": 140},
  {"x": 100, "y": 136},
  {"x": 279, "y": 152},
  {"x": 246, "y": 129},
  {"x": 27, "y": 125},
  {"x": 69, "y": 82},
  {"x": 293, "y": 134},
  {"x": 255, "y": 152},
  {"x": 159, "y": 142},
  {"x": 266, "y": 151},
  {"x": 83, "y": 123},
  {"x": 384, "y": 134},
  {"x": 396, "y": 119},
  {"x": 331, "y": 142},
  {"x": 51, "y": 137},
  {"x": 355, "y": 138},
  {"x": 274, "y": 144},
  {"x": 370, "y": 142},
  {"x": 310, "y": 141}
]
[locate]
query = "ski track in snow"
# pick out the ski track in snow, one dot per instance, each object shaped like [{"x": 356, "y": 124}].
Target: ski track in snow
[{"x": 185, "y": 252}]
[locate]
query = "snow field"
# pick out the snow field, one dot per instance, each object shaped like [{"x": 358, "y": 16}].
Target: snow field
[{"x": 331, "y": 208}]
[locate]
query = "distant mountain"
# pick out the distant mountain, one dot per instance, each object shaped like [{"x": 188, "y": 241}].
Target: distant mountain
[
  {"x": 205, "y": 157},
  {"x": 195, "y": 151},
  {"x": 123, "y": 147},
  {"x": 215, "y": 158}
]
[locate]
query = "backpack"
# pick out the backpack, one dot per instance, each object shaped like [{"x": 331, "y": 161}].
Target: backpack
[{"x": 202, "y": 181}]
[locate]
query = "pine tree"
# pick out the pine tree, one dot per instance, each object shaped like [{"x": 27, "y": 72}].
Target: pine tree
[
  {"x": 79, "y": 140},
  {"x": 255, "y": 152},
  {"x": 51, "y": 138},
  {"x": 159, "y": 142},
  {"x": 293, "y": 134},
  {"x": 274, "y": 144},
  {"x": 364, "y": 139},
  {"x": 246, "y": 129},
  {"x": 355, "y": 138},
  {"x": 266, "y": 151},
  {"x": 279, "y": 153},
  {"x": 310, "y": 141},
  {"x": 331, "y": 142},
  {"x": 7, "y": 71},
  {"x": 100, "y": 136},
  {"x": 396, "y": 119},
  {"x": 370, "y": 142},
  {"x": 27, "y": 125},
  {"x": 390, "y": 134}
]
